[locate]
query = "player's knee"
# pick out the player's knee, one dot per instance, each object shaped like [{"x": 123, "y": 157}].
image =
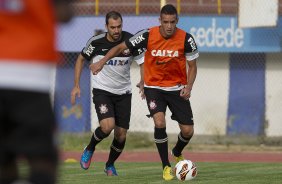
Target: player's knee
[
  {"x": 159, "y": 120},
  {"x": 160, "y": 124},
  {"x": 120, "y": 136},
  {"x": 187, "y": 132},
  {"x": 99, "y": 132},
  {"x": 106, "y": 129}
]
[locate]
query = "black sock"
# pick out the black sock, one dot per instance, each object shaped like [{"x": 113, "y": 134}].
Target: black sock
[
  {"x": 161, "y": 141},
  {"x": 180, "y": 144},
  {"x": 98, "y": 136},
  {"x": 116, "y": 149}
]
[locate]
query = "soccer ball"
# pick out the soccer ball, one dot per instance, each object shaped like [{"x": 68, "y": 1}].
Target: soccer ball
[{"x": 185, "y": 170}]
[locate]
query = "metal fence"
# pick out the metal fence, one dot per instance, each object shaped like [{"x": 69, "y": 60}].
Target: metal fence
[{"x": 238, "y": 89}]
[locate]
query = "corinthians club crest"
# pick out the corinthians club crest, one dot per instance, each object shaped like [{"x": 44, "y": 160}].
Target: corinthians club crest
[
  {"x": 152, "y": 104},
  {"x": 103, "y": 109}
]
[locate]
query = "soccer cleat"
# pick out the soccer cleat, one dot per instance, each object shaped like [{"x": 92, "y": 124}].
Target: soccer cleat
[
  {"x": 111, "y": 171},
  {"x": 177, "y": 159},
  {"x": 85, "y": 159},
  {"x": 167, "y": 173}
]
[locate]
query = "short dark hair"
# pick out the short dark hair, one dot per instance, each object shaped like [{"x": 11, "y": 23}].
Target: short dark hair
[
  {"x": 114, "y": 15},
  {"x": 169, "y": 9}
]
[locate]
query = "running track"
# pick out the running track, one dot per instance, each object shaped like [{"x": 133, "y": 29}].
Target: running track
[{"x": 195, "y": 156}]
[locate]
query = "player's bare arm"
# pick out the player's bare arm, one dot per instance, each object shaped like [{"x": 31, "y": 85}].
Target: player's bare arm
[
  {"x": 140, "y": 85},
  {"x": 191, "y": 76},
  {"x": 77, "y": 73},
  {"x": 115, "y": 51}
]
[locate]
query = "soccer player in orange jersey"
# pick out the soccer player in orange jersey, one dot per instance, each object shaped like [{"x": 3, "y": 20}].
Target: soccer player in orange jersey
[
  {"x": 27, "y": 56},
  {"x": 166, "y": 52}
]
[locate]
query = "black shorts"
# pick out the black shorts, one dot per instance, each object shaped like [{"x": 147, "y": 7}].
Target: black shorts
[
  {"x": 158, "y": 100},
  {"x": 111, "y": 105},
  {"x": 27, "y": 126}
]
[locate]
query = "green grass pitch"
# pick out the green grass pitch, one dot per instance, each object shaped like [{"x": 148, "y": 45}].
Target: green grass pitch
[{"x": 151, "y": 173}]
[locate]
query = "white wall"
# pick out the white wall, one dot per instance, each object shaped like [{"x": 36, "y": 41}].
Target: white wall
[
  {"x": 274, "y": 94},
  {"x": 210, "y": 94}
]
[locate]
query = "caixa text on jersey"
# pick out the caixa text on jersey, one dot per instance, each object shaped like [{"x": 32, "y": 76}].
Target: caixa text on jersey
[{"x": 117, "y": 62}]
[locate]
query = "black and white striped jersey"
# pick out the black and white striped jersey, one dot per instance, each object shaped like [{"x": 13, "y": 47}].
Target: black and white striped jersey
[{"x": 115, "y": 75}]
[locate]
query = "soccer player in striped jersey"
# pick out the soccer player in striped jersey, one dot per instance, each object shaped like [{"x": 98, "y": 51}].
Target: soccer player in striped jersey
[
  {"x": 111, "y": 90},
  {"x": 166, "y": 52}
]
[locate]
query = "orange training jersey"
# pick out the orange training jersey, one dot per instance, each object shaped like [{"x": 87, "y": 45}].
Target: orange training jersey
[
  {"x": 27, "y": 45},
  {"x": 27, "y": 30},
  {"x": 164, "y": 59},
  {"x": 165, "y": 62}
]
